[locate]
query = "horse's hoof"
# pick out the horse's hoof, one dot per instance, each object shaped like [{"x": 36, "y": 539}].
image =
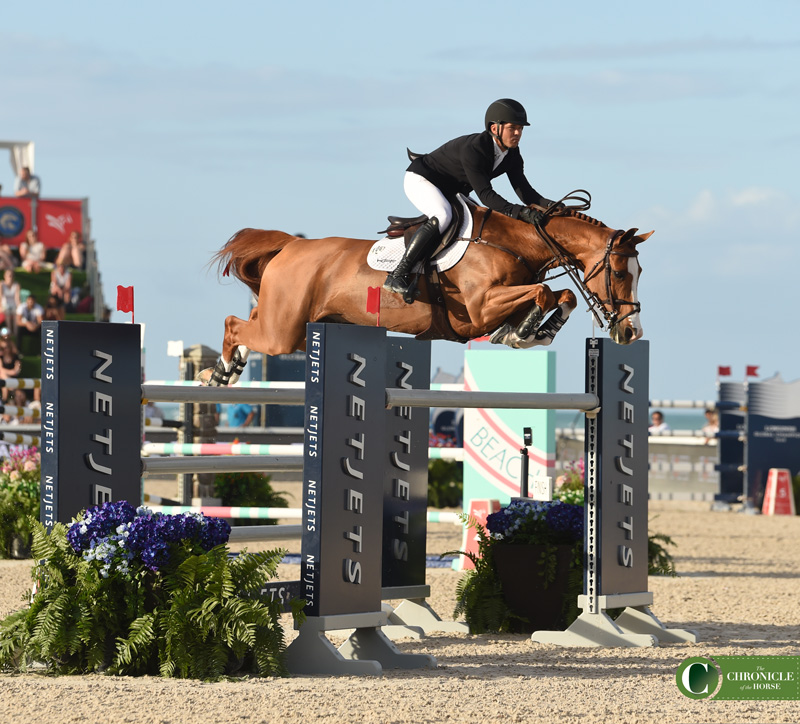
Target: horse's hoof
[
  {"x": 204, "y": 376},
  {"x": 499, "y": 336}
]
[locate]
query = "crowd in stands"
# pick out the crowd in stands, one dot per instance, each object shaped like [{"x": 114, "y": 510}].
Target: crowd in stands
[{"x": 21, "y": 313}]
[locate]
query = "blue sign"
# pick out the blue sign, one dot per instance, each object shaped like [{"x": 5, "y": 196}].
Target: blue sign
[
  {"x": 12, "y": 221},
  {"x": 773, "y": 432}
]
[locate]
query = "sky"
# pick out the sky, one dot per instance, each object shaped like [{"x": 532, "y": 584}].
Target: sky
[{"x": 183, "y": 122}]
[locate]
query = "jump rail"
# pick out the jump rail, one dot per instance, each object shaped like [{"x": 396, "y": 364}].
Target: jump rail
[
  {"x": 584, "y": 401},
  {"x": 237, "y": 464}
]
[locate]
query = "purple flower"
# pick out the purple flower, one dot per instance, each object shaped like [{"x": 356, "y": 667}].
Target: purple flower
[
  {"x": 116, "y": 535},
  {"x": 537, "y": 522}
]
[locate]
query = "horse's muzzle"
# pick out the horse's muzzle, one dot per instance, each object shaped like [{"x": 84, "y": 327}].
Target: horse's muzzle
[{"x": 625, "y": 333}]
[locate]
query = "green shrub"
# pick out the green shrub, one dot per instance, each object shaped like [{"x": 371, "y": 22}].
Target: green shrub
[
  {"x": 19, "y": 499},
  {"x": 248, "y": 490},
  {"x": 445, "y": 483}
]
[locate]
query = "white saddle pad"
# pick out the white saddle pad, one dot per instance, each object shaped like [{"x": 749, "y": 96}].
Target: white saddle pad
[{"x": 386, "y": 252}]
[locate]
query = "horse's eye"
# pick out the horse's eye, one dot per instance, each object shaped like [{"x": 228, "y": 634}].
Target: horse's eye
[{"x": 619, "y": 274}]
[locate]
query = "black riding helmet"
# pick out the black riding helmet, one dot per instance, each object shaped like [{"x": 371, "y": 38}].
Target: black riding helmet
[{"x": 506, "y": 110}]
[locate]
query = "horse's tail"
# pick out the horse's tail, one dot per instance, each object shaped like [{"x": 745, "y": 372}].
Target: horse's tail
[{"x": 248, "y": 252}]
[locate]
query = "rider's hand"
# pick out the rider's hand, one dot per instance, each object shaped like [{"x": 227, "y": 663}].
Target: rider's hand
[{"x": 531, "y": 216}]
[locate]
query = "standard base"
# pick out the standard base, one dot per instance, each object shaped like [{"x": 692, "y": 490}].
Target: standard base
[
  {"x": 417, "y": 614},
  {"x": 365, "y": 653},
  {"x": 637, "y": 626}
]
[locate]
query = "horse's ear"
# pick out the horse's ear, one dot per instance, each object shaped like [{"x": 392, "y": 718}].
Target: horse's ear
[
  {"x": 628, "y": 235},
  {"x": 643, "y": 237}
]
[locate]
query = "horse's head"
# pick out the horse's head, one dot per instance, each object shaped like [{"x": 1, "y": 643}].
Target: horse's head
[{"x": 612, "y": 277}]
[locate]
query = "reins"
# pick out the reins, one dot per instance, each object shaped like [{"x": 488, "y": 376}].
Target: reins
[{"x": 562, "y": 259}]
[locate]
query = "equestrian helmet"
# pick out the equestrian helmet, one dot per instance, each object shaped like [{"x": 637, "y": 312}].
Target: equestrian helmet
[{"x": 506, "y": 110}]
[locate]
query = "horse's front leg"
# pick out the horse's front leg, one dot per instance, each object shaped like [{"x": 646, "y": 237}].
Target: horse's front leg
[
  {"x": 513, "y": 311},
  {"x": 544, "y": 335}
]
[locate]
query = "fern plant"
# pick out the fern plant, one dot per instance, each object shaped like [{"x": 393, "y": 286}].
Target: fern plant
[
  {"x": 164, "y": 598},
  {"x": 479, "y": 593}
]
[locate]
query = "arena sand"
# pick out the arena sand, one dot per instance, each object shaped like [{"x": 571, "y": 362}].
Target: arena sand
[{"x": 738, "y": 589}]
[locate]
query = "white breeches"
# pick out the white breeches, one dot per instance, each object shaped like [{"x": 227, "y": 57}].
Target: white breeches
[{"x": 428, "y": 199}]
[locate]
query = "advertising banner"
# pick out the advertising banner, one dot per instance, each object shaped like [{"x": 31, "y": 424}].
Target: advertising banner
[
  {"x": 405, "y": 484},
  {"x": 91, "y": 417},
  {"x": 15, "y": 220},
  {"x": 57, "y": 218},
  {"x": 493, "y": 438},
  {"x": 617, "y": 501},
  {"x": 344, "y": 465},
  {"x": 773, "y": 432}
]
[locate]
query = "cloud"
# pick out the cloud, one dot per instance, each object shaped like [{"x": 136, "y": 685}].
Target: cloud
[{"x": 626, "y": 50}]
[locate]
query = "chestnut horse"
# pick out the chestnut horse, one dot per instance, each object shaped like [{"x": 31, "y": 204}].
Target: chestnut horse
[{"x": 497, "y": 287}]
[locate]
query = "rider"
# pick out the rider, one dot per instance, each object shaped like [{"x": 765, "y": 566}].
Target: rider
[{"x": 464, "y": 164}]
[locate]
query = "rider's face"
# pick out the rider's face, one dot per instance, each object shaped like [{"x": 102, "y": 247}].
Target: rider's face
[{"x": 510, "y": 133}]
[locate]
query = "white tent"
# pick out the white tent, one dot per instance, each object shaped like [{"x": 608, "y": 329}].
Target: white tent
[{"x": 21, "y": 154}]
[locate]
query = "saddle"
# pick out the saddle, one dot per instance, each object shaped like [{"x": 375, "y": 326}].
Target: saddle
[{"x": 407, "y": 225}]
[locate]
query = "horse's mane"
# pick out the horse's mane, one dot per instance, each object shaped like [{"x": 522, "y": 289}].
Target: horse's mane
[{"x": 581, "y": 216}]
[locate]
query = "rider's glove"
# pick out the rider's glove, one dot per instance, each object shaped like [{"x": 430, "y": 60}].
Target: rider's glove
[{"x": 531, "y": 216}]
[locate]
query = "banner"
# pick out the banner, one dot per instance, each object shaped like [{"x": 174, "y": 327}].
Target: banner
[
  {"x": 493, "y": 438},
  {"x": 56, "y": 219},
  {"x": 773, "y": 431},
  {"x": 15, "y": 220}
]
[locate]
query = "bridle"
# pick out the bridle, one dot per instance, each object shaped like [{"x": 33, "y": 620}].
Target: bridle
[
  {"x": 562, "y": 259},
  {"x": 595, "y": 304}
]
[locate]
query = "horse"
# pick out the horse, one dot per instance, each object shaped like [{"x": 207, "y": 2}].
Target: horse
[{"x": 497, "y": 288}]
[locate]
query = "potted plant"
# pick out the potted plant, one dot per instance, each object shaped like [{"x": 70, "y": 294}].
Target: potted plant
[
  {"x": 19, "y": 501},
  {"x": 528, "y": 570},
  {"x": 126, "y": 591}
]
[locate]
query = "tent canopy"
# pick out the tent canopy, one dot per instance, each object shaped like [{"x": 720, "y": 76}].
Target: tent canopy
[{"x": 21, "y": 154}]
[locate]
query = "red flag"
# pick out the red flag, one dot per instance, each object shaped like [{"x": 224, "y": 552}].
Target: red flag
[
  {"x": 723, "y": 371},
  {"x": 125, "y": 300},
  {"x": 751, "y": 371},
  {"x": 374, "y": 303}
]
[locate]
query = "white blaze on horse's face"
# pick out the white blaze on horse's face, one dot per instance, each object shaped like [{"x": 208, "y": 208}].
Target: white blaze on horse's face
[
  {"x": 636, "y": 324},
  {"x": 626, "y": 295}
]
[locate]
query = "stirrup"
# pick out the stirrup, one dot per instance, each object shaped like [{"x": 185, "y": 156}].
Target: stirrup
[
  {"x": 397, "y": 284},
  {"x": 412, "y": 291}
]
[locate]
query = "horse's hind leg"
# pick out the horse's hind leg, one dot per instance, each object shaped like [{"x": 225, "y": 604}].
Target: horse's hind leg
[{"x": 232, "y": 361}]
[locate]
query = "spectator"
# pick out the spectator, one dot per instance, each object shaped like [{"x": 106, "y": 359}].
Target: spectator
[
  {"x": 9, "y": 288},
  {"x": 7, "y": 260},
  {"x": 10, "y": 360},
  {"x": 32, "y": 253},
  {"x": 54, "y": 310},
  {"x": 153, "y": 411},
  {"x": 657, "y": 424},
  {"x": 711, "y": 428},
  {"x": 29, "y": 319},
  {"x": 240, "y": 415},
  {"x": 27, "y": 185},
  {"x": 61, "y": 283},
  {"x": 20, "y": 399},
  {"x": 73, "y": 253}
]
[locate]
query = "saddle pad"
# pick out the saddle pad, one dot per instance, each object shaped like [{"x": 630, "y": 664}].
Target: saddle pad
[{"x": 386, "y": 253}]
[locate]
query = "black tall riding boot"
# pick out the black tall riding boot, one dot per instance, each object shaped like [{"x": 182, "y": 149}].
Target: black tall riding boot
[{"x": 422, "y": 244}]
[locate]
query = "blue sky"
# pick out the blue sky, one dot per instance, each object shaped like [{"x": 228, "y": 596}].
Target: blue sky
[{"x": 184, "y": 122}]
